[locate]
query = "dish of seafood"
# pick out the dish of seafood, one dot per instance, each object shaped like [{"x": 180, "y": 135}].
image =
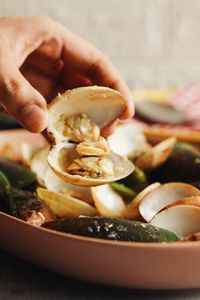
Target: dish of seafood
[{"x": 118, "y": 202}]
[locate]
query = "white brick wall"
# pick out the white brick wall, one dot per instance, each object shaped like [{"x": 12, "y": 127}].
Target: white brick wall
[{"x": 153, "y": 43}]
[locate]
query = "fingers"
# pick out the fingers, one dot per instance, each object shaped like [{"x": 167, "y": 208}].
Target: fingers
[
  {"x": 83, "y": 65},
  {"x": 72, "y": 79},
  {"x": 123, "y": 89},
  {"x": 92, "y": 64},
  {"x": 109, "y": 129},
  {"x": 18, "y": 97}
]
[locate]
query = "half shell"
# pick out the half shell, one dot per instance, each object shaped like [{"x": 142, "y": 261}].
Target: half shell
[
  {"x": 122, "y": 166},
  {"x": 101, "y": 104}
]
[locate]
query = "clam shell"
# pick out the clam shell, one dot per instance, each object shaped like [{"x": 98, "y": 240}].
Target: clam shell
[
  {"x": 156, "y": 156},
  {"x": 164, "y": 195},
  {"x": 132, "y": 141},
  {"x": 101, "y": 104},
  {"x": 38, "y": 164},
  {"x": 122, "y": 166},
  {"x": 183, "y": 220},
  {"x": 107, "y": 201}
]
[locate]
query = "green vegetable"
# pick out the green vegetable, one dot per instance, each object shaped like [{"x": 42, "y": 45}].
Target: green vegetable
[
  {"x": 137, "y": 180},
  {"x": 138, "y": 176},
  {"x": 16, "y": 202},
  {"x": 124, "y": 191},
  {"x": 18, "y": 175},
  {"x": 112, "y": 229},
  {"x": 7, "y": 203}
]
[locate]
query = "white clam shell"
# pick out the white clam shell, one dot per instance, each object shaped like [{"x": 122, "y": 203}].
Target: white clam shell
[
  {"x": 122, "y": 167},
  {"x": 132, "y": 140},
  {"x": 183, "y": 220},
  {"x": 46, "y": 176},
  {"x": 164, "y": 195},
  {"x": 101, "y": 104},
  {"x": 107, "y": 201}
]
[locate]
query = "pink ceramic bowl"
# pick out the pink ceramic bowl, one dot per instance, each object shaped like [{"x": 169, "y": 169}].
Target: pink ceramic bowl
[{"x": 133, "y": 265}]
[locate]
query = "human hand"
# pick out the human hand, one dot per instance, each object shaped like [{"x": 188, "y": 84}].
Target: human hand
[{"x": 38, "y": 59}]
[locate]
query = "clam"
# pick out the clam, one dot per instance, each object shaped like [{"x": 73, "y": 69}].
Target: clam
[
  {"x": 38, "y": 163},
  {"x": 108, "y": 202},
  {"x": 192, "y": 200},
  {"x": 154, "y": 157},
  {"x": 132, "y": 209},
  {"x": 55, "y": 184},
  {"x": 46, "y": 177},
  {"x": 164, "y": 195},
  {"x": 64, "y": 205},
  {"x": 183, "y": 220},
  {"x": 79, "y": 154},
  {"x": 132, "y": 141}
]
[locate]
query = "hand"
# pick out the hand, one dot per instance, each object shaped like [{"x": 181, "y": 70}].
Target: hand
[{"x": 38, "y": 59}]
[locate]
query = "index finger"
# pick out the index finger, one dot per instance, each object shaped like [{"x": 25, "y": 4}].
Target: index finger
[{"x": 94, "y": 65}]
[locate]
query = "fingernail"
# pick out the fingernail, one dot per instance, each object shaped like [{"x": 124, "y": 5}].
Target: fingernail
[{"x": 34, "y": 118}]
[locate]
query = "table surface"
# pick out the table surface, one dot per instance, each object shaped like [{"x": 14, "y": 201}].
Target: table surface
[{"x": 22, "y": 280}]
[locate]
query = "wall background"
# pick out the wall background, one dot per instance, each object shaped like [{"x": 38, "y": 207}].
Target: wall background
[{"x": 153, "y": 43}]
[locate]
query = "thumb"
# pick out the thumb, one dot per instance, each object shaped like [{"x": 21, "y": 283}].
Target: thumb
[{"x": 20, "y": 99}]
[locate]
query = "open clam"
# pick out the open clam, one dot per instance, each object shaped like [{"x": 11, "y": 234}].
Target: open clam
[
  {"x": 132, "y": 141},
  {"x": 80, "y": 155},
  {"x": 164, "y": 195},
  {"x": 183, "y": 220},
  {"x": 37, "y": 162}
]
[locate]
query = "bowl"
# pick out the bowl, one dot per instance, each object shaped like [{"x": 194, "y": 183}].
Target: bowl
[{"x": 122, "y": 264}]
